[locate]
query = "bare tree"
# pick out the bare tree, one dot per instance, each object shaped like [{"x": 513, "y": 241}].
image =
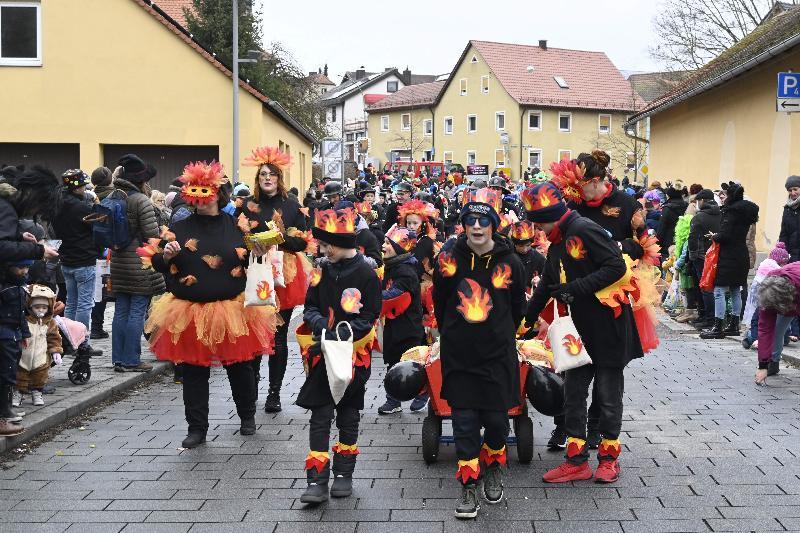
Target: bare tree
[
  {"x": 693, "y": 32},
  {"x": 413, "y": 139}
]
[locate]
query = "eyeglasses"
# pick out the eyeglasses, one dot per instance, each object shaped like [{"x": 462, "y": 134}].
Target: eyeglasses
[
  {"x": 483, "y": 220},
  {"x": 265, "y": 174}
]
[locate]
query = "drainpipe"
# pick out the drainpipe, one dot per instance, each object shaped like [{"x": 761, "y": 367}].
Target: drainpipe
[{"x": 521, "y": 124}]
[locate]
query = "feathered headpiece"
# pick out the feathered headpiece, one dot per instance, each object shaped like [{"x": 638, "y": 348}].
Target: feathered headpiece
[
  {"x": 567, "y": 175},
  {"x": 336, "y": 227},
  {"x": 522, "y": 232},
  {"x": 405, "y": 238},
  {"x": 201, "y": 182},
  {"x": 422, "y": 209},
  {"x": 268, "y": 155}
]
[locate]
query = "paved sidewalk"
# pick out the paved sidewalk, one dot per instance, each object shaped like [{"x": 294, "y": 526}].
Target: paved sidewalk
[{"x": 704, "y": 449}]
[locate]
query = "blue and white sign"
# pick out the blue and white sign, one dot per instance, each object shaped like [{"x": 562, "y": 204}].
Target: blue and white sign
[{"x": 788, "y": 93}]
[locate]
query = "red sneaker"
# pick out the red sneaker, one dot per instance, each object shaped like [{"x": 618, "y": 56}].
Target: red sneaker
[
  {"x": 607, "y": 472},
  {"x": 568, "y": 472}
]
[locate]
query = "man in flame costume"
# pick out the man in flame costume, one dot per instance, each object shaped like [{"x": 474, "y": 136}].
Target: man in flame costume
[
  {"x": 584, "y": 187},
  {"x": 479, "y": 301},
  {"x": 203, "y": 320},
  {"x": 582, "y": 262},
  {"x": 271, "y": 202},
  {"x": 343, "y": 288}
]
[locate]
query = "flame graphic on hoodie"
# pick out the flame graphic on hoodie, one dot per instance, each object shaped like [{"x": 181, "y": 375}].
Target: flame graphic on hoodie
[
  {"x": 501, "y": 276},
  {"x": 576, "y": 249},
  {"x": 447, "y": 265},
  {"x": 475, "y": 307},
  {"x": 572, "y": 344},
  {"x": 316, "y": 276},
  {"x": 351, "y": 301}
]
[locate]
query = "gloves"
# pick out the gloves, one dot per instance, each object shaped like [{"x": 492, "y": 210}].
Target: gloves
[
  {"x": 632, "y": 249},
  {"x": 57, "y": 358},
  {"x": 561, "y": 292}
]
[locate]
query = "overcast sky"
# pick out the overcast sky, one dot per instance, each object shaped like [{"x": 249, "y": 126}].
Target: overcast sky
[{"x": 429, "y": 35}]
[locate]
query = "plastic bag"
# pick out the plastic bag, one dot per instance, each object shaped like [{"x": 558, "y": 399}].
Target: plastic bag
[{"x": 710, "y": 268}]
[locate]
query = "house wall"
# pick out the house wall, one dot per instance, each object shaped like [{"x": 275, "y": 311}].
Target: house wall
[
  {"x": 733, "y": 132},
  {"x": 354, "y": 106},
  {"x": 383, "y": 142},
  {"x": 143, "y": 85}
]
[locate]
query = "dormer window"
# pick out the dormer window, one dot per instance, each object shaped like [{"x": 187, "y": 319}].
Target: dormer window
[
  {"x": 561, "y": 82},
  {"x": 20, "y": 34}
]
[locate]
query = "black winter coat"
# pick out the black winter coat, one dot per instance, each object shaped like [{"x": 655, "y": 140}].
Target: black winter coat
[
  {"x": 734, "y": 258},
  {"x": 704, "y": 221},
  {"x": 262, "y": 211},
  {"x": 405, "y": 330},
  {"x": 670, "y": 213},
  {"x": 390, "y": 216},
  {"x": 368, "y": 245},
  {"x": 615, "y": 214},
  {"x": 77, "y": 246},
  {"x": 477, "y": 321},
  {"x": 610, "y": 342},
  {"x": 533, "y": 262},
  {"x": 790, "y": 231},
  {"x": 12, "y": 247}
]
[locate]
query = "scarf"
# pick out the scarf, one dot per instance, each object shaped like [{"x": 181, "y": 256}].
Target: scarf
[
  {"x": 793, "y": 204},
  {"x": 597, "y": 201}
]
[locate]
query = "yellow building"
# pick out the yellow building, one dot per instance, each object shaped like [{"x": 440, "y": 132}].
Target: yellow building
[
  {"x": 510, "y": 106},
  {"x": 90, "y": 80},
  {"x": 723, "y": 123}
]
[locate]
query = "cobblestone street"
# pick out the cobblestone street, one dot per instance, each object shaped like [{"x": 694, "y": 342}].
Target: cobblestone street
[{"x": 704, "y": 450}]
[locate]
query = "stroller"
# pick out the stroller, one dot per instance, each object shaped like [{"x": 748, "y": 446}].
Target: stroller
[{"x": 72, "y": 335}]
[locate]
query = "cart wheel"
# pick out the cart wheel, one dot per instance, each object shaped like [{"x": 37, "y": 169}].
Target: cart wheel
[
  {"x": 431, "y": 432},
  {"x": 79, "y": 374},
  {"x": 523, "y": 429}
]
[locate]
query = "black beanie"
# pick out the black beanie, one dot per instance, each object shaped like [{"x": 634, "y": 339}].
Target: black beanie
[
  {"x": 792, "y": 181},
  {"x": 101, "y": 176}
]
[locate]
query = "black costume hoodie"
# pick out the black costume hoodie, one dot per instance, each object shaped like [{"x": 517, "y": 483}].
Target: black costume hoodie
[
  {"x": 479, "y": 302},
  {"x": 261, "y": 211},
  {"x": 533, "y": 262},
  {"x": 402, "y": 328},
  {"x": 614, "y": 214}
]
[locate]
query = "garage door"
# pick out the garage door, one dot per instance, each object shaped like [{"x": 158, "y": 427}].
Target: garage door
[
  {"x": 58, "y": 157},
  {"x": 168, "y": 160}
]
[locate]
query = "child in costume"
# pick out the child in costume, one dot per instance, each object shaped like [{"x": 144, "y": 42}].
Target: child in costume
[
  {"x": 402, "y": 307},
  {"x": 479, "y": 301},
  {"x": 522, "y": 235},
  {"x": 42, "y": 349},
  {"x": 13, "y": 331},
  {"x": 582, "y": 261},
  {"x": 344, "y": 288}
]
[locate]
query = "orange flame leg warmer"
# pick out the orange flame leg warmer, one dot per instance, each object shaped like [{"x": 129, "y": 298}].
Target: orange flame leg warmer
[
  {"x": 317, "y": 460},
  {"x": 490, "y": 456},
  {"x": 609, "y": 450},
  {"x": 468, "y": 471},
  {"x": 576, "y": 451}
]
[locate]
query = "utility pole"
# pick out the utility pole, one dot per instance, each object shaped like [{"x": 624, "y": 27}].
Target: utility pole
[{"x": 235, "y": 56}]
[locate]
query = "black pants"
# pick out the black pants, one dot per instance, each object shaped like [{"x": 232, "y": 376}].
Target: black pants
[
  {"x": 319, "y": 428},
  {"x": 10, "y": 354},
  {"x": 609, "y": 385},
  {"x": 98, "y": 316},
  {"x": 467, "y": 425},
  {"x": 195, "y": 393},
  {"x": 706, "y": 296},
  {"x": 277, "y": 361}
]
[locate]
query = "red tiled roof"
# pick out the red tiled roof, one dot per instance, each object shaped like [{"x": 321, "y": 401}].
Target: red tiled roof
[
  {"x": 174, "y": 8},
  {"x": 594, "y": 82},
  {"x": 320, "y": 79},
  {"x": 418, "y": 95}
]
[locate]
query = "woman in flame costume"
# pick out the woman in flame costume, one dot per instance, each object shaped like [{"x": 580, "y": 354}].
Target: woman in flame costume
[
  {"x": 203, "y": 321},
  {"x": 343, "y": 288},
  {"x": 582, "y": 260},
  {"x": 584, "y": 187},
  {"x": 479, "y": 300},
  {"x": 271, "y": 202}
]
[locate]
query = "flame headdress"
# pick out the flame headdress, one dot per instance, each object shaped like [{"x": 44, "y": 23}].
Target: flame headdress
[
  {"x": 522, "y": 232},
  {"x": 424, "y": 210},
  {"x": 268, "y": 155},
  {"x": 201, "y": 182},
  {"x": 567, "y": 175},
  {"x": 404, "y": 238},
  {"x": 335, "y": 227},
  {"x": 484, "y": 201}
]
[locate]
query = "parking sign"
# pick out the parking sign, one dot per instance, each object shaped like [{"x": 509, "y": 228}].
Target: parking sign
[{"x": 788, "y": 92}]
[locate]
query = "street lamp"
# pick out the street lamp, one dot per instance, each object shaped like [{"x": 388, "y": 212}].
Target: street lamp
[{"x": 252, "y": 57}]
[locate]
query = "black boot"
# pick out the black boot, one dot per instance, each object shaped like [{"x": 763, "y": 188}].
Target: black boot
[
  {"x": 732, "y": 328},
  {"x": 193, "y": 439},
  {"x": 87, "y": 350},
  {"x": 317, "y": 491},
  {"x": 773, "y": 368},
  {"x": 716, "y": 332},
  {"x": 6, "y": 413},
  {"x": 343, "y": 467},
  {"x": 273, "y": 403},
  {"x": 248, "y": 426}
]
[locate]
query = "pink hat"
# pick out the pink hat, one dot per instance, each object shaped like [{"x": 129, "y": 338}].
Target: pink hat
[{"x": 779, "y": 254}]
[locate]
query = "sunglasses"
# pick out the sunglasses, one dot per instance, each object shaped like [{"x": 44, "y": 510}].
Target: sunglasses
[{"x": 482, "y": 220}]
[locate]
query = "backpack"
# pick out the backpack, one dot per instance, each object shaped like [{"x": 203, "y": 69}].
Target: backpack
[{"x": 109, "y": 220}]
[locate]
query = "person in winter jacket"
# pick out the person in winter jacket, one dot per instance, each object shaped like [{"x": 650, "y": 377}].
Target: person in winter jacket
[
  {"x": 522, "y": 234},
  {"x": 778, "y": 258},
  {"x": 133, "y": 286},
  {"x": 670, "y": 212},
  {"x": 42, "y": 349},
  {"x": 582, "y": 260},
  {"x": 733, "y": 266},
  {"x": 402, "y": 306},
  {"x": 344, "y": 288},
  {"x": 101, "y": 180},
  {"x": 704, "y": 223},
  {"x": 688, "y": 284},
  {"x": 402, "y": 194},
  {"x": 790, "y": 222},
  {"x": 479, "y": 299},
  {"x": 778, "y": 301}
]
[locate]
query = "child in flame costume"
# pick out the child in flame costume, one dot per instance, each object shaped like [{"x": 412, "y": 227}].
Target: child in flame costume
[
  {"x": 271, "y": 202},
  {"x": 479, "y": 300},
  {"x": 402, "y": 307},
  {"x": 582, "y": 260},
  {"x": 203, "y": 321},
  {"x": 522, "y": 235},
  {"x": 343, "y": 288}
]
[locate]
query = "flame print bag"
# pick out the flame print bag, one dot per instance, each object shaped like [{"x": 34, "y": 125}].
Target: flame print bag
[
  {"x": 568, "y": 349},
  {"x": 260, "y": 288}
]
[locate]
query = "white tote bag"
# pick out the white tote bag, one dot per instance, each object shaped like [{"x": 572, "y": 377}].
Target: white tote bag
[
  {"x": 276, "y": 257},
  {"x": 260, "y": 288},
  {"x": 338, "y": 362},
  {"x": 568, "y": 349}
]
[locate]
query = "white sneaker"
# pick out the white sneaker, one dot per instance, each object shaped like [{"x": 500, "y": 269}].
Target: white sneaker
[
  {"x": 16, "y": 398},
  {"x": 37, "y": 398}
]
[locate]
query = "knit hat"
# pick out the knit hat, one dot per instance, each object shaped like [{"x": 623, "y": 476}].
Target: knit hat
[
  {"x": 792, "y": 181},
  {"x": 241, "y": 190},
  {"x": 336, "y": 227},
  {"x": 482, "y": 202},
  {"x": 135, "y": 170},
  {"x": 21, "y": 263},
  {"x": 695, "y": 188},
  {"x": 705, "y": 194},
  {"x": 522, "y": 232},
  {"x": 543, "y": 203},
  {"x": 779, "y": 254},
  {"x": 74, "y": 178},
  {"x": 403, "y": 240},
  {"x": 101, "y": 176}
]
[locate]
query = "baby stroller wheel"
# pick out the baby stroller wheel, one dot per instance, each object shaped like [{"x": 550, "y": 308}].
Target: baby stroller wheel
[
  {"x": 80, "y": 371},
  {"x": 431, "y": 432},
  {"x": 523, "y": 430}
]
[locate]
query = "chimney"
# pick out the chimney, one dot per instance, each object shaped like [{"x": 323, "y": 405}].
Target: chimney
[
  {"x": 407, "y": 76},
  {"x": 360, "y": 73},
  {"x": 543, "y": 44},
  {"x": 387, "y": 69},
  {"x": 311, "y": 73},
  {"x": 325, "y": 71}
]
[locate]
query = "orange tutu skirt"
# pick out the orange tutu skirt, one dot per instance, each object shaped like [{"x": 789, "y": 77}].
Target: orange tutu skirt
[
  {"x": 645, "y": 277},
  {"x": 210, "y": 333},
  {"x": 296, "y": 268}
]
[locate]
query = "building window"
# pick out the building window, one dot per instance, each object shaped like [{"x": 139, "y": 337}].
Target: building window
[
  {"x": 535, "y": 120},
  {"x": 350, "y": 137},
  {"x": 405, "y": 121},
  {"x": 500, "y": 121},
  {"x": 20, "y": 34},
  {"x": 485, "y": 84},
  {"x": 391, "y": 86},
  {"x": 427, "y": 127},
  {"x": 463, "y": 84},
  {"x": 448, "y": 160},
  {"x": 471, "y": 158},
  {"x": 448, "y": 125},
  {"x": 630, "y": 160},
  {"x": 565, "y": 122},
  {"x": 561, "y": 82},
  {"x": 499, "y": 158},
  {"x": 604, "y": 122},
  {"x": 472, "y": 123},
  {"x": 535, "y": 158},
  {"x": 333, "y": 114},
  {"x": 385, "y": 123},
  {"x": 474, "y": 59},
  {"x": 564, "y": 154}
]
